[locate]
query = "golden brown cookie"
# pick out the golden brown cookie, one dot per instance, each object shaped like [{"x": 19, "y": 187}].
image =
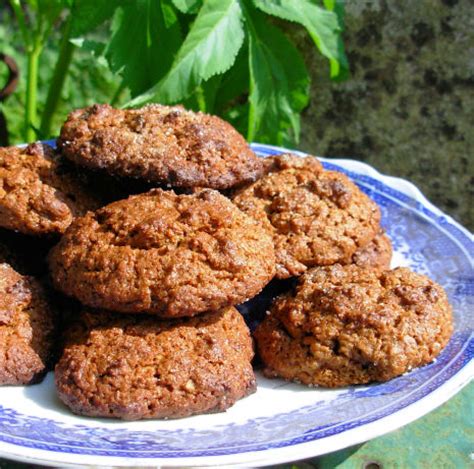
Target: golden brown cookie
[
  {"x": 134, "y": 367},
  {"x": 315, "y": 217},
  {"x": 377, "y": 254},
  {"x": 347, "y": 325},
  {"x": 161, "y": 144},
  {"x": 165, "y": 254},
  {"x": 36, "y": 196},
  {"x": 26, "y": 328}
]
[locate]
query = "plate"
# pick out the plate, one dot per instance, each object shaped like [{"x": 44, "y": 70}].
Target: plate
[{"x": 281, "y": 421}]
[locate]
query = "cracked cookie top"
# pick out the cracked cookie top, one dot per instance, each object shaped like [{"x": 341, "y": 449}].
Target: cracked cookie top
[
  {"x": 132, "y": 367},
  {"x": 346, "y": 325},
  {"x": 377, "y": 254},
  {"x": 315, "y": 217},
  {"x": 160, "y": 144},
  {"x": 26, "y": 328},
  {"x": 163, "y": 253},
  {"x": 38, "y": 196}
]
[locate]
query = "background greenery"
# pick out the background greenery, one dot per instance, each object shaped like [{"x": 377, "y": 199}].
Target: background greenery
[
  {"x": 226, "y": 57},
  {"x": 407, "y": 108},
  {"x": 89, "y": 80}
]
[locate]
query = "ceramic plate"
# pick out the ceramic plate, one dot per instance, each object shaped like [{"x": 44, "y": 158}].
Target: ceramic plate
[{"x": 281, "y": 421}]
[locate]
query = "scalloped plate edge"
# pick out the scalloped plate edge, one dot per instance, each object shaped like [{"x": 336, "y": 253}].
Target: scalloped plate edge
[
  {"x": 274, "y": 456},
  {"x": 303, "y": 450}
]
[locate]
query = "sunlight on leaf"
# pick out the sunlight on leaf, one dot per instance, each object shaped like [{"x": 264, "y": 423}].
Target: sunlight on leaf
[
  {"x": 188, "y": 6},
  {"x": 202, "y": 54},
  {"x": 279, "y": 83},
  {"x": 322, "y": 25}
]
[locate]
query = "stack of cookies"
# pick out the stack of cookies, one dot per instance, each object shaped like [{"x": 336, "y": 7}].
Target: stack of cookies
[
  {"x": 156, "y": 276},
  {"x": 349, "y": 319},
  {"x": 39, "y": 198},
  {"x": 171, "y": 267}
]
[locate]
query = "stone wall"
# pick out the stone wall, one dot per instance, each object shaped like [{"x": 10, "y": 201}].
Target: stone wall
[{"x": 408, "y": 107}]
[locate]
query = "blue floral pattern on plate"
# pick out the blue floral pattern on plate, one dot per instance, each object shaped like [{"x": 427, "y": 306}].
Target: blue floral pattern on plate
[{"x": 425, "y": 240}]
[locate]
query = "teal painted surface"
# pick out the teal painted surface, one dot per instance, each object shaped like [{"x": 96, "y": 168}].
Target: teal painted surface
[{"x": 442, "y": 439}]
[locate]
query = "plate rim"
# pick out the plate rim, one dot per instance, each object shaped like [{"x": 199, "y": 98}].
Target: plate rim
[
  {"x": 285, "y": 454},
  {"x": 304, "y": 450}
]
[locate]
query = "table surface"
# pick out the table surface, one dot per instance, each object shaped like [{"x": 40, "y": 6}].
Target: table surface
[{"x": 442, "y": 439}]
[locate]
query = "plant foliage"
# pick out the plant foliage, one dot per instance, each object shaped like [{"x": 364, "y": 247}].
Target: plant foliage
[{"x": 229, "y": 57}]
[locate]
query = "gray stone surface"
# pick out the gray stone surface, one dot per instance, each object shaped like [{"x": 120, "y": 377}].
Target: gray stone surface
[{"x": 408, "y": 107}]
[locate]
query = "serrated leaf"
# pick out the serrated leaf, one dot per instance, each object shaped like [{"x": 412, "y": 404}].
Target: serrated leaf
[
  {"x": 142, "y": 44},
  {"x": 209, "y": 49},
  {"x": 188, "y": 6},
  {"x": 322, "y": 25},
  {"x": 279, "y": 83}
]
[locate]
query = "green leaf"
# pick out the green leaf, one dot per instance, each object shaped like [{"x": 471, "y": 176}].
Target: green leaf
[
  {"x": 337, "y": 6},
  {"x": 238, "y": 116},
  {"x": 329, "y": 4},
  {"x": 279, "y": 83},
  {"x": 169, "y": 14},
  {"x": 322, "y": 25},
  {"x": 143, "y": 43},
  {"x": 95, "y": 47},
  {"x": 188, "y": 6},
  {"x": 234, "y": 85},
  {"x": 87, "y": 15},
  {"x": 339, "y": 70},
  {"x": 209, "y": 49},
  {"x": 210, "y": 89},
  {"x": 50, "y": 8}
]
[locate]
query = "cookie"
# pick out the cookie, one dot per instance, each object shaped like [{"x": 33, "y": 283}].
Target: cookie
[
  {"x": 161, "y": 144},
  {"x": 165, "y": 254},
  {"x": 36, "y": 196},
  {"x": 377, "y": 254},
  {"x": 135, "y": 367},
  {"x": 346, "y": 325},
  {"x": 315, "y": 217},
  {"x": 26, "y": 329}
]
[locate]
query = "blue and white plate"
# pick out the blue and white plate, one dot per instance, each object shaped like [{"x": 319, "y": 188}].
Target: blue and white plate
[{"x": 281, "y": 421}]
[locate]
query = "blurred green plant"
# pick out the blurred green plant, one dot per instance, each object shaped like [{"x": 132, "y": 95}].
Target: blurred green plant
[
  {"x": 89, "y": 80},
  {"x": 227, "y": 57}
]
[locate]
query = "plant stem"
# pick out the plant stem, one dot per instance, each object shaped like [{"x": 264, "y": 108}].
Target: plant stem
[
  {"x": 33, "y": 50},
  {"x": 57, "y": 81},
  {"x": 31, "y": 88},
  {"x": 20, "y": 17},
  {"x": 201, "y": 99},
  {"x": 252, "y": 120}
]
